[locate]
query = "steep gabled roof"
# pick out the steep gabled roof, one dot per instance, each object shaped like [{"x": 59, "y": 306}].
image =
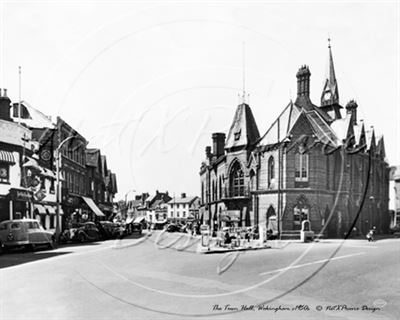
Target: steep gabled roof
[
  {"x": 35, "y": 118},
  {"x": 184, "y": 200},
  {"x": 243, "y": 131},
  {"x": 341, "y": 127},
  {"x": 380, "y": 147},
  {"x": 281, "y": 127}
]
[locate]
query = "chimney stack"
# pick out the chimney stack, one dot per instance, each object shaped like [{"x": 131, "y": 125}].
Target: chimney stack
[
  {"x": 5, "y": 103},
  {"x": 183, "y": 195},
  {"x": 208, "y": 152},
  {"x": 303, "y": 81},
  {"x": 351, "y": 108},
  {"x": 218, "y": 144}
]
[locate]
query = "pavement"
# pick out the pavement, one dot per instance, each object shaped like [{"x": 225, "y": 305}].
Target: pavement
[{"x": 162, "y": 276}]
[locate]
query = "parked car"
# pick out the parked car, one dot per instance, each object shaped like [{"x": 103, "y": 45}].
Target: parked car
[
  {"x": 107, "y": 229},
  {"x": 27, "y": 233},
  {"x": 395, "y": 230},
  {"x": 120, "y": 230},
  {"x": 173, "y": 228},
  {"x": 87, "y": 232},
  {"x": 136, "y": 227}
]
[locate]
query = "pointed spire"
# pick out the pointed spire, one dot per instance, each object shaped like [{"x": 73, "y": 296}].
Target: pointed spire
[{"x": 330, "y": 93}]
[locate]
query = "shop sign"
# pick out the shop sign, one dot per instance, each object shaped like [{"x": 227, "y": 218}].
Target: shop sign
[{"x": 20, "y": 195}]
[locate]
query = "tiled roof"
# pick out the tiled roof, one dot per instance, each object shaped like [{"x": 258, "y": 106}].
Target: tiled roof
[
  {"x": 181, "y": 200},
  {"x": 243, "y": 131},
  {"x": 36, "y": 118},
  {"x": 285, "y": 122}
]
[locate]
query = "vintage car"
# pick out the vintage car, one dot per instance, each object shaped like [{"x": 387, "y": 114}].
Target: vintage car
[
  {"x": 27, "y": 233},
  {"x": 173, "y": 228},
  {"x": 136, "y": 227},
  {"x": 395, "y": 230},
  {"x": 87, "y": 232}
]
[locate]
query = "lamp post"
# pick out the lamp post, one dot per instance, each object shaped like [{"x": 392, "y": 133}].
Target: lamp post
[{"x": 57, "y": 156}]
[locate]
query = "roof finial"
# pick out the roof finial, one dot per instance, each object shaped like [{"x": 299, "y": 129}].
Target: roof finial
[
  {"x": 329, "y": 41},
  {"x": 19, "y": 94},
  {"x": 244, "y": 75}
]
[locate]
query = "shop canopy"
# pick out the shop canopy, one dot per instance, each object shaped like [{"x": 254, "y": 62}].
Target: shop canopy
[
  {"x": 93, "y": 206},
  {"x": 6, "y": 156},
  {"x": 139, "y": 219},
  {"x": 129, "y": 220},
  {"x": 50, "y": 209},
  {"x": 39, "y": 208}
]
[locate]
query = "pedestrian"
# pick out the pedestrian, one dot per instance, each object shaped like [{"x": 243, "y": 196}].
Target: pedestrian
[
  {"x": 370, "y": 234},
  {"x": 227, "y": 238}
]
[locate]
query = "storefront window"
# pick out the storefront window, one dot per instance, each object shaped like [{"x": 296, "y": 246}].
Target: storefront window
[{"x": 4, "y": 173}]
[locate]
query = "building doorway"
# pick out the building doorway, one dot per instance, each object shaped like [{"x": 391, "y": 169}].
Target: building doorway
[{"x": 301, "y": 212}]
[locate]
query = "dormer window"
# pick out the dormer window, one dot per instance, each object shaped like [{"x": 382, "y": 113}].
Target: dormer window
[{"x": 237, "y": 135}]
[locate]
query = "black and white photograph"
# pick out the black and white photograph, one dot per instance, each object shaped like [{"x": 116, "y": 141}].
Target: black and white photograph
[{"x": 199, "y": 159}]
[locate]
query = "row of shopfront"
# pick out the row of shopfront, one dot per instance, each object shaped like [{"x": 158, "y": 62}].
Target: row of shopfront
[{"x": 21, "y": 203}]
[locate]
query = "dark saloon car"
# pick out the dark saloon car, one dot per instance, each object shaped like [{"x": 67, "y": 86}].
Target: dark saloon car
[
  {"x": 173, "y": 228},
  {"x": 87, "y": 232},
  {"x": 136, "y": 227}
]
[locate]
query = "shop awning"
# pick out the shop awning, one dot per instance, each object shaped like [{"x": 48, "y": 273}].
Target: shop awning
[
  {"x": 93, "y": 207},
  {"x": 39, "y": 208},
  {"x": 6, "y": 156},
  {"x": 50, "y": 209},
  {"x": 139, "y": 219},
  {"x": 129, "y": 220},
  {"x": 160, "y": 221}
]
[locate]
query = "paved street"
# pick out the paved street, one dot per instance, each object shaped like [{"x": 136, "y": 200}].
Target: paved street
[{"x": 156, "y": 277}]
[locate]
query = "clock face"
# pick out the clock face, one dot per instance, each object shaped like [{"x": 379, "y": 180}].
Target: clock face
[
  {"x": 327, "y": 96},
  {"x": 45, "y": 155},
  {"x": 3, "y": 172}
]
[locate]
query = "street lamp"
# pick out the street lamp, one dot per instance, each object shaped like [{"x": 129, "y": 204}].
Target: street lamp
[{"x": 57, "y": 156}]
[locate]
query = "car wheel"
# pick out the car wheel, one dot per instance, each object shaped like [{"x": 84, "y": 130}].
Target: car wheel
[
  {"x": 30, "y": 247},
  {"x": 51, "y": 244},
  {"x": 81, "y": 238}
]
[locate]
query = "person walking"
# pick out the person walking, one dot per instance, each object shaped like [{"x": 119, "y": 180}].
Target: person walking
[{"x": 370, "y": 234}]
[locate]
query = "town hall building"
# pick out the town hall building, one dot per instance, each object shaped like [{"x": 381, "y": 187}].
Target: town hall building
[{"x": 317, "y": 163}]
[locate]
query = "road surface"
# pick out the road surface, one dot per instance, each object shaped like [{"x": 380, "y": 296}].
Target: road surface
[{"x": 161, "y": 276}]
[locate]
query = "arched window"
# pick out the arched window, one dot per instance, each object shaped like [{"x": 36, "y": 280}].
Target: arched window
[
  {"x": 252, "y": 180},
  {"x": 236, "y": 179},
  {"x": 301, "y": 166},
  {"x": 271, "y": 170},
  {"x": 220, "y": 187}
]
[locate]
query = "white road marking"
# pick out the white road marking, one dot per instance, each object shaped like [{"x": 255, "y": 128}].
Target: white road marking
[{"x": 311, "y": 263}]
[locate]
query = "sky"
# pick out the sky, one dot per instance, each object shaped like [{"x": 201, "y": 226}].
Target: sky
[{"x": 149, "y": 82}]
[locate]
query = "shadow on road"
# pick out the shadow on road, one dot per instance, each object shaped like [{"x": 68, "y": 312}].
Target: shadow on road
[{"x": 17, "y": 257}]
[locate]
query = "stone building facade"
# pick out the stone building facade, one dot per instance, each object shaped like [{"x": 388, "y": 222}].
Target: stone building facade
[{"x": 316, "y": 163}]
